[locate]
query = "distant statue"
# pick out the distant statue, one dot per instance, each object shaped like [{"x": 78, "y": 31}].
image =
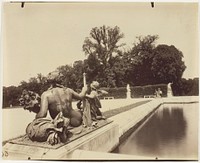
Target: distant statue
[
  {"x": 158, "y": 93},
  {"x": 57, "y": 100},
  {"x": 169, "y": 90},
  {"x": 128, "y": 93}
]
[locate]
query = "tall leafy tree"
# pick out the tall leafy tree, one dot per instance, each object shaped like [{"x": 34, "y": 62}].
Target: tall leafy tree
[
  {"x": 119, "y": 69},
  {"x": 103, "y": 43},
  {"x": 67, "y": 77},
  {"x": 167, "y": 64},
  {"x": 139, "y": 59},
  {"x": 102, "y": 47},
  {"x": 79, "y": 67}
]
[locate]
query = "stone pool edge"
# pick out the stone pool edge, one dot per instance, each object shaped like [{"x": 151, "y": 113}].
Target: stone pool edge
[{"x": 134, "y": 117}]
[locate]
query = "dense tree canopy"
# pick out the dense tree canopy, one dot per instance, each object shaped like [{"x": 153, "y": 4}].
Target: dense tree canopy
[
  {"x": 150, "y": 64},
  {"x": 139, "y": 59},
  {"x": 167, "y": 64},
  {"x": 11, "y": 95}
]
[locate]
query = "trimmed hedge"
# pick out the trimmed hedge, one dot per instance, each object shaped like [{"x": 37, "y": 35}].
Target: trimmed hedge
[
  {"x": 136, "y": 92},
  {"x": 115, "y": 92}
]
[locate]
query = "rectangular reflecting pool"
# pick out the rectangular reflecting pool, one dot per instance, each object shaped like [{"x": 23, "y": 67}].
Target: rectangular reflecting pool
[{"x": 171, "y": 133}]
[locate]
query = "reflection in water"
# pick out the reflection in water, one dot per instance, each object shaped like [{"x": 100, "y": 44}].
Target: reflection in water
[{"x": 167, "y": 134}]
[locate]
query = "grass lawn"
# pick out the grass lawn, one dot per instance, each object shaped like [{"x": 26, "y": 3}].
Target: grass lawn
[{"x": 114, "y": 112}]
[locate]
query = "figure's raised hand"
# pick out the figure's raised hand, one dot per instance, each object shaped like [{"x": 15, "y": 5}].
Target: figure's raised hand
[{"x": 104, "y": 92}]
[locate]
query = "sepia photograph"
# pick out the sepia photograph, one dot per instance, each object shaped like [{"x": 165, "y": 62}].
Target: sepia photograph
[{"x": 100, "y": 81}]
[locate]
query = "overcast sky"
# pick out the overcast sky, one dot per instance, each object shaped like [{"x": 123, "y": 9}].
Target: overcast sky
[{"x": 42, "y": 36}]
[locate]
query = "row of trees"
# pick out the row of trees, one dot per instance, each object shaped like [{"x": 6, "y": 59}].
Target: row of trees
[
  {"x": 110, "y": 63},
  {"x": 186, "y": 87}
]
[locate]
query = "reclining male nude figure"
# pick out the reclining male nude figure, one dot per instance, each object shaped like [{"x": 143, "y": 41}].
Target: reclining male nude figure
[{"x": 58, "y": 99}]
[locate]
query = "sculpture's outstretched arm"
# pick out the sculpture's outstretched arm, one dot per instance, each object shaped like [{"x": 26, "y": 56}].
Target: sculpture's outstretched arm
[{"x": 81, "y": 95}]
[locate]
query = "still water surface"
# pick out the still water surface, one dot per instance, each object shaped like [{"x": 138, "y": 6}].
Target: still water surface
[{"x": 170, "y": 133}]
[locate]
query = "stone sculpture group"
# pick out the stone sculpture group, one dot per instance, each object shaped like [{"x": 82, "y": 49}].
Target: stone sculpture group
[{"x": 57, "y": 100}]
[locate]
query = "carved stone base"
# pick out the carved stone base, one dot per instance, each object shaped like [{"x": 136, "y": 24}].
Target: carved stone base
[{"x": 103, "y": 139}]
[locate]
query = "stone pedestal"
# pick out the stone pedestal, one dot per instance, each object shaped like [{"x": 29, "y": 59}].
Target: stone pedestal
[{"x": 104, "y": 139}]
